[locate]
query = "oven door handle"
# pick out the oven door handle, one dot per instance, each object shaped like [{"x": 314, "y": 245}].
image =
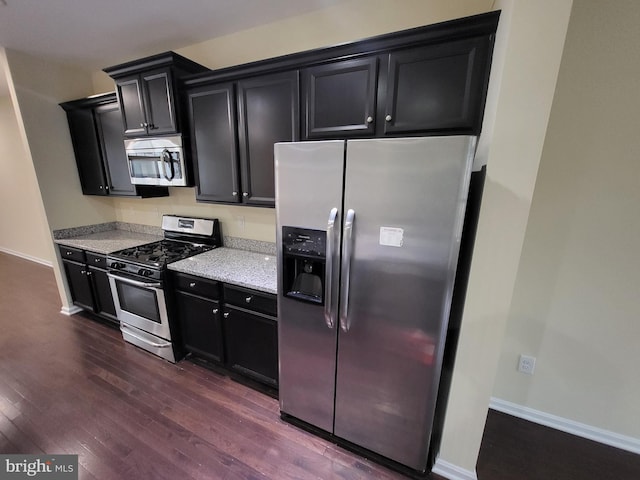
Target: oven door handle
[
  {"x": 124, "y": 329},
  {"x": 135, "y": 283}
]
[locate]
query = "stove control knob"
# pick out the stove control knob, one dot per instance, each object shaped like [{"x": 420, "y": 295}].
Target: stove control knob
[
  {"x": 117, "y": 265},
  {"x": 144, "y": 272}
]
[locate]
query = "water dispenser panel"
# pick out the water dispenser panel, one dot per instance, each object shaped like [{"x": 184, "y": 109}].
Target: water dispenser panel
[{"x": 304, "y": 242}]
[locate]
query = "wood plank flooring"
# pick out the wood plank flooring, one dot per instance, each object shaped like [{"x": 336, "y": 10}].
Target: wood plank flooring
[{"x": 72, "y": 385}]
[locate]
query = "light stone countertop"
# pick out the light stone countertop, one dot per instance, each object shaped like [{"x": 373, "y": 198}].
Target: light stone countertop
[
  {"x": 237, "y": 267},
  {"x": 108, "y": 241}
]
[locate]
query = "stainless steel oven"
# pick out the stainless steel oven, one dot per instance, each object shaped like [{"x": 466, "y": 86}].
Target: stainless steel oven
[
  {"x": 142, "y": 311},
  {"x": 157, "y": 161},
  {"x": 137, "y": 279}
]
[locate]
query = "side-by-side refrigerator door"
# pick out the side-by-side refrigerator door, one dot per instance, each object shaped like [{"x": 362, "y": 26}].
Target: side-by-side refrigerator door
[
  {"x": 404, "y": 205},
  {"x": 309, "y": 185}
]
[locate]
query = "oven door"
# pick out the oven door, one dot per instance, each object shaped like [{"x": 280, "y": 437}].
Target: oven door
[{"x": 140, "y": 304}]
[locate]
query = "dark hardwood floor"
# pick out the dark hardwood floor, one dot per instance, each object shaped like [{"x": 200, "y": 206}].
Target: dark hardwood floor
[{"x": 72, "y": 385}]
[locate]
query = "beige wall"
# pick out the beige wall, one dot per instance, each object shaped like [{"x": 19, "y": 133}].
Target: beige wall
[
  {"x": 23, "y": 224},
  {"x": 576, "y": 303},
  {"x": 38, "y": 86}
]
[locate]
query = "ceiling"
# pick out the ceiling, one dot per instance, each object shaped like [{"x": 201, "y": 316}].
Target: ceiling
[{"x": 93, "y": 34}]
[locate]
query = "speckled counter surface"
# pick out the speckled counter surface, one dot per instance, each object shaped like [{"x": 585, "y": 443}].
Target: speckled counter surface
[
  {"x": 237, "y": 267},
  {"x": 108, "y": 241}
]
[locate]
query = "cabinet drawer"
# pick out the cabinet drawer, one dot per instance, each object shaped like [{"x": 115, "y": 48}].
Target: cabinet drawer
[
  {"x": 96, "y": 260},
  {"x": 251, "y": 299},
  {"x": 70, "y": 253},
  {"x": 197, "y": 285}
]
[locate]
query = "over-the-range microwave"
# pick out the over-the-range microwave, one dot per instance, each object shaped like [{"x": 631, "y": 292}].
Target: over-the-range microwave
[{"x": 156, "y": 161}]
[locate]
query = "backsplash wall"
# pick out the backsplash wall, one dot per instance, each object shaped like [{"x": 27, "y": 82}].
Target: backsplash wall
[{"x": 236, "y": 221}]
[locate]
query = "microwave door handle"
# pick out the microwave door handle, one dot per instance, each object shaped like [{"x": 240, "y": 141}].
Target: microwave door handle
[{"x": 165, "y": 156}]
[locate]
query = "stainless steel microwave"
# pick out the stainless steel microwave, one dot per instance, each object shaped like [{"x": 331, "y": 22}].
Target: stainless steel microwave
[{"x": 156, "y": 161}]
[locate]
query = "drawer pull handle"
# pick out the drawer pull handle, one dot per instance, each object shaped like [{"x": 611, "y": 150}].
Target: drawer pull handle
[
  {"x": 68, "y": 253},
  {"x": 97, "y": 260},
  {"x": 248, "y": 299},
  {"x": 82, "y": 272},
  {"x": 192, "y": 284},
  {"x": 215, "y": 311},
  {"x": 225, "y": 315}
]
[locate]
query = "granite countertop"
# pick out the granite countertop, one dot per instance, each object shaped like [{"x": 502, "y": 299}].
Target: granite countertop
[
  {"x": 238, "y": 267},
  {"x": 99, "y": 240}
]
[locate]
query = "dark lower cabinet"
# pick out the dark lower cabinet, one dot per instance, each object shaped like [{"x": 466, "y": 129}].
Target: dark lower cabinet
[
  {"x": 252, "y": 344},
  {"x": 201, "y": 326},
  {"x": 79, "y": 284},
  {"x": 88, "y": 282},
  {"x": 251, "y": 333},
  {"x": 230, "y": 326}
]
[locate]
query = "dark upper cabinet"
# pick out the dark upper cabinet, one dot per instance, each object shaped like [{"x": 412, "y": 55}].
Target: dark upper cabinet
[
  {"x": 148, "y": 103},
  {"x": 268, "y": 113},
  {"x": 149, "y": 95},
  {"x": 437, "y": 88},
  {"x": 109, "y": 125},
  {"x": 339, "y": 98},
  {"x": 232, "y": 136},
  {"x": 95, "y": 126},
  {"x": 212, "y": 117}
]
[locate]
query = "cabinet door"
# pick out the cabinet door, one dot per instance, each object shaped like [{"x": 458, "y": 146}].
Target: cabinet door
[
  {"x": 109, "y": 123},
  {"x": 268, "y": 113},
  {"x": 201, "y": 326},
  {"x": 435, "y": 88},
  {"x": 102, "y": 289},
  {"x": 340, "y": 98},
  {"x": 159, "y": 102},
  {"x": 212, "y": 115},
  {"x": 86, "y": 148},
  {"x": 79, "y": 284},
  {"x": 252, "y": 344},
  {"x": 130, "y": 99}
]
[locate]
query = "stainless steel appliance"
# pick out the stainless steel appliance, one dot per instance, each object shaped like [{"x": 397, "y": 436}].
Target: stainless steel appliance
[
  {"x": 137, "y": 279},
  {"x": 157, "y": 161},
  {"x": 368, "y": 235}
]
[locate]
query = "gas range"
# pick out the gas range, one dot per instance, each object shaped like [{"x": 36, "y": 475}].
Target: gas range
[
  {"x": 136, "y": 276},
  {"x": 149, "y": 260},
  {"x": 184, "y": 237}
]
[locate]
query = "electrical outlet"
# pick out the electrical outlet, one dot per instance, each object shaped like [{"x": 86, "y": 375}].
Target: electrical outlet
[
  {"x": 527, "y": 364},
  {"x": 240, "y": 222}
]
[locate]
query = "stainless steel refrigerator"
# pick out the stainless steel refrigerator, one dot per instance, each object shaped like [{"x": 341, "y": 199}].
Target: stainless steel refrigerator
[{"x": 368, "y": 235}]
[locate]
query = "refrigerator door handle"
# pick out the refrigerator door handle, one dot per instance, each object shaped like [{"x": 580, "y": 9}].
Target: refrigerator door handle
[
  {"x": 346, "y": 267},
  {"x": 331, "y": 251}
]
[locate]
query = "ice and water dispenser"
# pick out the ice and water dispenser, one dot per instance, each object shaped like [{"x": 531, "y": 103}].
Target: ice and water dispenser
[{"x": 304, "y": 261}]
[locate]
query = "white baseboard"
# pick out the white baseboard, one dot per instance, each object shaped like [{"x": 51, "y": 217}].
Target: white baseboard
[
  {"x": 600, "y": 435},
  {"x": 26, "y": 257},
  {"x": 452, "y": 472},
  {"x": 72, "y": 310}
]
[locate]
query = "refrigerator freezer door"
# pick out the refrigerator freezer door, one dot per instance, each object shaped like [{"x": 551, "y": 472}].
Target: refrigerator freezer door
[
  {"x": 309, "y": 183},
  {"x": 408, "y": 197}
]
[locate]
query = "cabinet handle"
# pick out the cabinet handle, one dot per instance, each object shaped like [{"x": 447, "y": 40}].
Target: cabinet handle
[
  {"x": 82, "y": 272},
  {"x": 89, "y": 274},
  {"x": 215, "y": 311},
  {"x": 192, "y": 284},
  {"x": 369, "y": 119},
  {"x": 101, "y": 187},
  {"x": 248, "y": 299},
  {"x": 235, "y": 194},
  {"x": 225, "y": 315},
  {"x": 106, "y": 187},
  {"x": 97, "y": 260},
  {"x": 142, "y": 125},
  {"x": 68, "y": 253},
  {"x": 245, "y": 194},
  {"x": 388, "y": 118}
]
